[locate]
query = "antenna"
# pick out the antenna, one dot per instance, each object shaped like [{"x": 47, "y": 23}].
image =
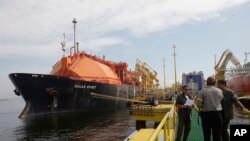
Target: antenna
[{"x": 175, "y": 81}]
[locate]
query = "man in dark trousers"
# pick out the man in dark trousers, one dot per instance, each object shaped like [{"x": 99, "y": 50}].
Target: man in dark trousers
[
  {"x": 184, "y": 111},
  {"x": 230, "y": 99},
  {"x": 209, "y": 100}
]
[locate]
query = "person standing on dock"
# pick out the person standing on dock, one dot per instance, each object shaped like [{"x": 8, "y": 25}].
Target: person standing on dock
[
  {"x": 184, "y": 111},
  {"x": 230, "y": 99},
  {"x": 209, "y": 101}
]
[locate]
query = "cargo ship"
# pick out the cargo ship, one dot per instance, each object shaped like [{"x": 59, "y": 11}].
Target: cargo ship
[
  {"x": 239, "y": 81},
  {"x": 78, "y": 81}
]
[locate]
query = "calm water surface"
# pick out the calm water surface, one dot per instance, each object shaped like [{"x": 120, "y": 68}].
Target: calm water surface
[{"x": 92, "y": 126}]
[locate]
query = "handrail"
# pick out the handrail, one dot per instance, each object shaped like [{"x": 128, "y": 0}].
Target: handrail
[{"x": 164, "y": 124}]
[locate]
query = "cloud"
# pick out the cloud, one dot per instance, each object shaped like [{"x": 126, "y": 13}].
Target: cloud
[
  {"x": 31, "y": 31},
  {"x": 97, "y": 43},
  {"x": 28, "y": 22},
  {"x": 16, "y": 51}
]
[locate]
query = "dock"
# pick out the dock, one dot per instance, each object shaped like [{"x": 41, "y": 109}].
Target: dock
[{"x": 166, "y": 117}]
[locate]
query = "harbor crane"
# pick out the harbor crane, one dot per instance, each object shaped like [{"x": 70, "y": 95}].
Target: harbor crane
[
  {"x": 220, "y": 67},
  {"x": 146, "y": 75}
]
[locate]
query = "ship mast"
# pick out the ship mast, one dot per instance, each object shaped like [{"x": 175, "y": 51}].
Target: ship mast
[
  {"x": 74, "y": 22},
  {"x": 215, "y": 64},
  {"x": 175, "y": 81},
  {"x": 64, "y": 45},
  {"x": 164, "y": 75}
]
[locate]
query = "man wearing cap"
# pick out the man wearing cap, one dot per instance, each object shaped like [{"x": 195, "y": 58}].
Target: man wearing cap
[
  {"x": 209, "y": 101},
  {"x": 184, "y": 113}
]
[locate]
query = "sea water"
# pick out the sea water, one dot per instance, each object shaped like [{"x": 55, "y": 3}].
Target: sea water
[{"x": 103, "y": 125}]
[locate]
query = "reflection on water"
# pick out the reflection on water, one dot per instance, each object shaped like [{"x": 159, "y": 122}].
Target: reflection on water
[
  {"x": 94, "y": 125},
  {"x": 106, "y": 125}
]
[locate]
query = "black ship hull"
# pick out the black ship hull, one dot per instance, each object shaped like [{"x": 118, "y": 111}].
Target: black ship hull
[{"x": 49, "y": 94}]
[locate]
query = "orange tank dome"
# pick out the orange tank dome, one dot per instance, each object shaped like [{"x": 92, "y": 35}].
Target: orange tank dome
[{"x": 85, "y": 68}]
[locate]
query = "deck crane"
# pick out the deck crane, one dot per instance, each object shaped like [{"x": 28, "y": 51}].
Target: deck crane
[
  {"x": 220, "y": 67},
  {"x": 146, "y": 75}
]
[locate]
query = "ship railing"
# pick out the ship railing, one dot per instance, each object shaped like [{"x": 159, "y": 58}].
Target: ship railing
[
  {"x": 165, "y": 131},
  {"x": 165, "y": 124}
]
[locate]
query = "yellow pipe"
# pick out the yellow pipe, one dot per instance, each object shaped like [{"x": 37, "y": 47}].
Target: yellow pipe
[{"x": 165, "y": 131}]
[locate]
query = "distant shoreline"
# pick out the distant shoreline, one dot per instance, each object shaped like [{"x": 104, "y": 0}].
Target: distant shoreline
[{"x": 8, "y": 99}]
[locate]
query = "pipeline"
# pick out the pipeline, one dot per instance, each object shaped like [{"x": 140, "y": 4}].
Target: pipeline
[{"x": 96, "y": 95}]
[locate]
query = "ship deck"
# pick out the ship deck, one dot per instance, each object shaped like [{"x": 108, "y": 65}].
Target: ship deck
[
  {"x": 146, "y": 133},
  {"x": 196, "y": 133}
]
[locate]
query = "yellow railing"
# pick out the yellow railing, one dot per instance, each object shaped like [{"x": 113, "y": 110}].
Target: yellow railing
[{"x": 165, "y": 124}]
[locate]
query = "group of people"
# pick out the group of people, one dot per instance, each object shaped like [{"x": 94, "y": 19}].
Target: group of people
[{"x": 216, "y": 109}]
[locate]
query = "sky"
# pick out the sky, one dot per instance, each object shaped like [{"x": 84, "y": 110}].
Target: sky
[{"x": 31, "y": 33}]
